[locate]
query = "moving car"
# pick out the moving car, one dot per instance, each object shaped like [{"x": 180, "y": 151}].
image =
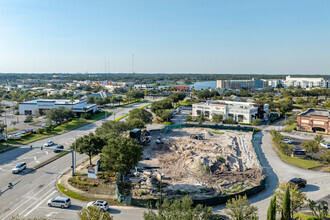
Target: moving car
[
  {"x": 99, "y": 204},
  {"x": 286, "y": 140},
  {"x": 60, "y": 201},
  {"x": 49, "y": 143},
  {"x": 58, "y": 147},
  {"x": 19, "y": 167},
  {"x": 326, "y": 145},
  {"x": 298, "y": 181}
]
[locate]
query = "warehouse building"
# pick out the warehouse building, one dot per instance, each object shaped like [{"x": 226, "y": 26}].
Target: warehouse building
[
  {"x": 34, "y": 107},
  {"x": 240, "y": 111}
]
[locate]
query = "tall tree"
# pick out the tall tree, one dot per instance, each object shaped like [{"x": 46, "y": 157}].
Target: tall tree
[
  {"x": 178, "y": 209},
  {"x": 120, "y": 155},
  {"x": 142, "y": 114},
  {"x": 286, "y": 209},
  {"x": 90, "y": 145},
  {"x": 239, "y": 208},
  {"x": 271, "y": 213},
  {"x": 297, "y": 197}
]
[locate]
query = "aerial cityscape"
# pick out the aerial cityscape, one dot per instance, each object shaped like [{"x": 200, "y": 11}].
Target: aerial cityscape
[{"x": 157, "y": 110}]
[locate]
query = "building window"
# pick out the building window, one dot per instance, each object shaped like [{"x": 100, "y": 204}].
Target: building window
[
  {"x": 207, "y": 114},
  {"x": 199, "y": 112}
]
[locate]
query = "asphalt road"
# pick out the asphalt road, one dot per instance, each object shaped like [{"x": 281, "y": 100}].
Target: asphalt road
[{"x": 28, "y": 197}]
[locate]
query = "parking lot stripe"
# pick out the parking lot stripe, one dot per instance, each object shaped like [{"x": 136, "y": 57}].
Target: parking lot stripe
[{"x": 39, "y": 204}]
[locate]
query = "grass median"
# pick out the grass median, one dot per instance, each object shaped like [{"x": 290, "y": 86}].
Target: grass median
[
  {"x": 298, "y": 162},
  {"x": 77, "y": 196}
]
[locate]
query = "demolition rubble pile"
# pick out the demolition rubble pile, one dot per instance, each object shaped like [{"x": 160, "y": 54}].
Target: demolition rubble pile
[{"x": 197, "y": 161}]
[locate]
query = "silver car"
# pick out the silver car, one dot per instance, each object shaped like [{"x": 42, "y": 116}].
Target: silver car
[
  {"x": 19, "y": 167},
  {"x": 60, "y": 201}
]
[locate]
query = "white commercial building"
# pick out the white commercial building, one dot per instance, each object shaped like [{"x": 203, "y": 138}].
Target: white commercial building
[
  {"x": 240, "y": 111},
  {"x": 306, "y": 82},
  {"x": 40, "y": 105}
]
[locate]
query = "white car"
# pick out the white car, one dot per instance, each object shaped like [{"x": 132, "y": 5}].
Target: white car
[
  {"x": 49, "y": 143},
  {"x": 326, "y": 145},
  {"x": 19, "y": 167},
  {"x": 286, "y": 140},
  {"x": 60, "y": 201},
  {"x": 99, "y": 204}
]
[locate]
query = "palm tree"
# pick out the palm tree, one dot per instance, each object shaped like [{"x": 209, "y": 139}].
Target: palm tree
[{"x": 319, "y": 139}]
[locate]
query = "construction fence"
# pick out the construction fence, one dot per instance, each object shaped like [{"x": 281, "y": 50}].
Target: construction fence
[{"x": 127, "y": 199}]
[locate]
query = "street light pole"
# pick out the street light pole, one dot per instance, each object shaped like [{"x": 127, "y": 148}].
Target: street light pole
[
  {"x": 72, "y": 163},
  {"x": 75, "y": 152}
]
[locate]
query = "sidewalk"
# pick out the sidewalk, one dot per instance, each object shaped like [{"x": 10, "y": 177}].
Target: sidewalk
[{"x": 65, "y": 178}]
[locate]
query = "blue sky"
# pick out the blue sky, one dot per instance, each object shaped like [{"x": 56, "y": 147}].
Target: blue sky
[{"x": 220, "y": 36}]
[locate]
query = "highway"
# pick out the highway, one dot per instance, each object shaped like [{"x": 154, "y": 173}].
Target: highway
[{"x": 29, "y": 196}]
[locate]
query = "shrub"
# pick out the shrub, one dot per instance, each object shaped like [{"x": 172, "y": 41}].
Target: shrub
[
  {"x": 28, "y": 118},
  {"x": 84, "y": 183}
]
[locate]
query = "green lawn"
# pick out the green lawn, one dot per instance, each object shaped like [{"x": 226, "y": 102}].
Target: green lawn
[
  {"x": 72, "y": 194},
  {"x": 11, "y": 129},
  {"x": 70, "y": 125},
  {"x": 75, "y": 195},
  {"x": 298, "y": 162},
  {"x": 35, "y": 122}
]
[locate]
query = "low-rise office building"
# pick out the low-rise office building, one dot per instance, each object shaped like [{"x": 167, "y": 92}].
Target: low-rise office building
[
  {"x": 314, "y": 120},
  {"x": 34, "y": 107},
  {"x": 240, "y": 111}
]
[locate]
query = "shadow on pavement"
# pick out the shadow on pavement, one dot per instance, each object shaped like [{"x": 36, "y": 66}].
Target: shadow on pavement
[
  {"x": 310, "y": 188},
  {"x": 75, "y": 207},
  {"x": 272, "y": 179},
  {"x": 27, "y": 171},
  {"x": 114, "y": 211}
]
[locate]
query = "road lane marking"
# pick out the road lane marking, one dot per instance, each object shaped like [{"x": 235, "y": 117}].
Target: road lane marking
[
  {"x": 34, "y": 202},
  {"x": 28, "y": 200},
  {"x": 39, "y": 203}
]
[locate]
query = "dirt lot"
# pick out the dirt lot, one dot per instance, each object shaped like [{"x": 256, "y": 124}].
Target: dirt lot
[{"x": 222, "y": 163}]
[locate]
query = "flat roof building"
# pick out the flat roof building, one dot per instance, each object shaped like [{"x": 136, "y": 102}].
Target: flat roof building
[
  {"x": 306, "y": 82},
  {"x": 34, "y": 107},
  {"x": 315, "y": 120},
  {"x": 240, "y": 111}
]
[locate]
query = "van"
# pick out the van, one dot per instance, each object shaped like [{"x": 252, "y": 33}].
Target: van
[{"x": 60, "y": 201}]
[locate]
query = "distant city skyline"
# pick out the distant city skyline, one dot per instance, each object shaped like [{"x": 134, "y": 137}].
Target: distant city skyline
[{"x": 215, "y": 36}]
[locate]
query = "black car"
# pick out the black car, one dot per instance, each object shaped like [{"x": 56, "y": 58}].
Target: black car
[
  {"x": 298, "y": 181},
  {"x": 58, "y": 147}
]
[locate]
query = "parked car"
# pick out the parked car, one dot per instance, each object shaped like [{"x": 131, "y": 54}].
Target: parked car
[
  {"x": 49, "y": 143},
  {"x": 298, "y": 181},
  {"x": 29, "y": 130},
  {"x": 19, "y": 168},
  {"x": 99, "y": 204},
  {"x": 60, "y": 201},
  {"x": 326, "y": 145},
  {"x": 58, "y": 147},
  {"x": 286, "y": 140}
]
